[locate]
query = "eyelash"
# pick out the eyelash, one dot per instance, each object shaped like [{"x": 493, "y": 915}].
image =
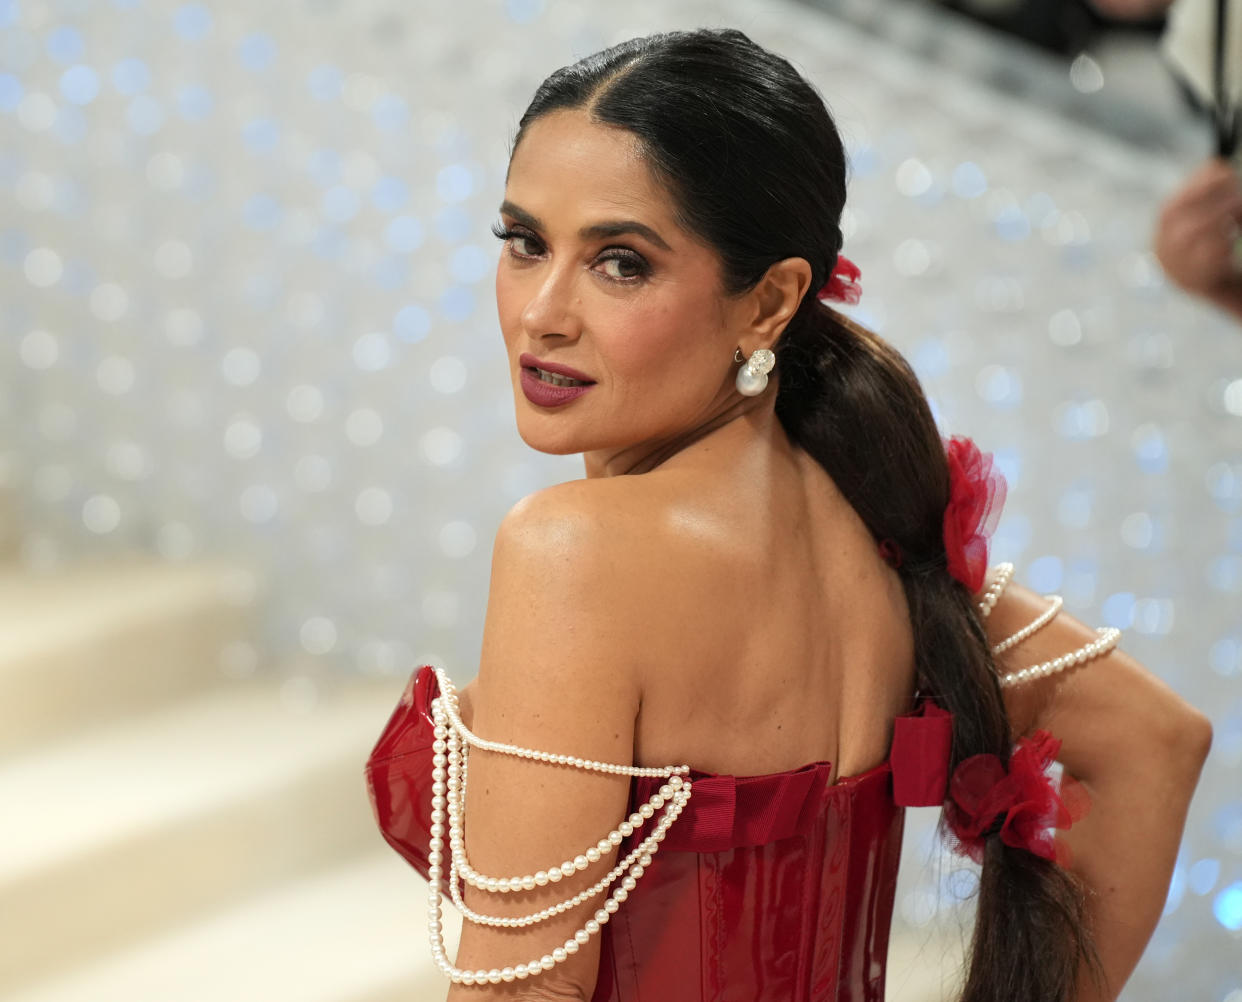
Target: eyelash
[{"x": 620, "y": 253}]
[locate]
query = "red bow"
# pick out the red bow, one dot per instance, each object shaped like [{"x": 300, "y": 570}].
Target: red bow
[
  {"x": 842, "y": 285},
  {"x": 981, "y": 791},
  {"x": 976, "y": 494}
]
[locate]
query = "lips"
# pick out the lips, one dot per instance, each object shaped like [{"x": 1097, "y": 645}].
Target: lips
[
  {"x": 529, "y": 361},
  {"x": 545, "y": 393}
]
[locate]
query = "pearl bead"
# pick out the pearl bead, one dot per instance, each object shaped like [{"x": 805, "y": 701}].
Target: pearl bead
[
  {"x": 571, "y": 946},
  {"x": 592, "y": 927},
  {"x": 559, "y": 954},
  {"x": 592, "y": 854},
  {"x": 629, "y": 883},
  {"x": 521, "y": 972},
  {"x": 602, "y": 917},
  {"x": 493, "y": 976},
  {"x": 581, "y": 862},
  {"x": 567, "y": 869},
  {"x": 541, "y": 878},
  {"x": 581, "y": 937},
  {"x": 750, "y": 383},
  {"x": 528, "y": 883},
  {"x": 555, "y": 875},
  {"x": 506, "y": 974},
  {"x": 546, "y": 962},
  {"x": 611, "y": 906},
  {"x": 626, "y": 829}
]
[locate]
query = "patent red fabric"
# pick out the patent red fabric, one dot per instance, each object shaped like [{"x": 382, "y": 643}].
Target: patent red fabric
[{"x": 767, "y": 888}]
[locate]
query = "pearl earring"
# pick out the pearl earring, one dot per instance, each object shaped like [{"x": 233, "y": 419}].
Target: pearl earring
[{"x": 752, "y": 378}]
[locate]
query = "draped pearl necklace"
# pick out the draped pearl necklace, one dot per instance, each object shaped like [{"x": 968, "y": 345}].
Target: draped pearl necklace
[{"x": 452, "y": 741}]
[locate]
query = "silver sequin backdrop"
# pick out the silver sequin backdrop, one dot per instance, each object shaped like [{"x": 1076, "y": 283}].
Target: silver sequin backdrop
[{"x": 246, "y": 306}]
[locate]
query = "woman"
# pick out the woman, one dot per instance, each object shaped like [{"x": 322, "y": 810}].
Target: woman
[{"x": 754, "y": 575}]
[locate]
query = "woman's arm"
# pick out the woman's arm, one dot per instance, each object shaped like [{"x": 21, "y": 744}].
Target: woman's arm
[
  {"x": 561, "y": 645},
  {"x": 1137, "y": 747}
]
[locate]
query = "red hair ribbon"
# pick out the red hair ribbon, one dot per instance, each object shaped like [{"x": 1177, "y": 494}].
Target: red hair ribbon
[
  {"x": 1025, "y": 796},
  {"x": 976, "y": 494},
  {"x": 843, "y": 284}
]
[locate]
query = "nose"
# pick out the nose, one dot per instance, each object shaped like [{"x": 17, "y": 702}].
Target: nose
[{"x": 553, "y": 309}]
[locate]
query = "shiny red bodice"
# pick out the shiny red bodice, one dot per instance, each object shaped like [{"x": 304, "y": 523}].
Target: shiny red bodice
[{"x": 767, "y": 888}]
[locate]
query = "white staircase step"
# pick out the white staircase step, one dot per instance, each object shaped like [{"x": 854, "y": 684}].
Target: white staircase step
[
  {"x": 144, "y": 821},
  {"x": 98, "y": 641},
  {"x": 355, "y": 933}
]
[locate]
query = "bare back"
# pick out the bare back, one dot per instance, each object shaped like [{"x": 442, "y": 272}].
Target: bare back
[{"x": 783, "y": 635}]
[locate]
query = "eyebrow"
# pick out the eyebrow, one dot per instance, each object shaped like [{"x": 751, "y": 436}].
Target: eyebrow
[{"x": 611, "y": 228}]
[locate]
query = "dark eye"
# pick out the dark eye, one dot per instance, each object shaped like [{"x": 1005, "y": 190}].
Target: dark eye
[
  {"x": 625, "y": 266},
  {"x": 509, "y": 236}
]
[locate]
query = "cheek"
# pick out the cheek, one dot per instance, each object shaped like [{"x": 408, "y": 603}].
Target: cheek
[{"x": 670, "y": 339}]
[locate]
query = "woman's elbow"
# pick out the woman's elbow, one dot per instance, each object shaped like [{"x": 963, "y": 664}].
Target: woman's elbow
[
  {"x": 1184, "y": 737},
  {"x": 1197, "y": 735}
]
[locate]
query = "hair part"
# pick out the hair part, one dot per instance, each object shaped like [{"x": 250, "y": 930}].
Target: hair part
[{"x": 752, "y": 160}]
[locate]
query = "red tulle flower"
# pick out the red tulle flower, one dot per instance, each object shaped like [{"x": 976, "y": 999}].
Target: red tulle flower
[
  {"x": 976, "y": 495},
  {"x": 981, "y": 790},
  {"x": 843, "y": 284}
]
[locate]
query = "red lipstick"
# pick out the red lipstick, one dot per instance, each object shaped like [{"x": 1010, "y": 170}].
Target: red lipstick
[{"x": 549, "y": 394}]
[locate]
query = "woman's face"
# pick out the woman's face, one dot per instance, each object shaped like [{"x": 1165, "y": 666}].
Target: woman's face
[{"x": 597, "y": 276}]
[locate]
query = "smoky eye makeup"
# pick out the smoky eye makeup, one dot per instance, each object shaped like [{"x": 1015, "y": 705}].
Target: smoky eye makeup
[{"x": 630, "y": 261}]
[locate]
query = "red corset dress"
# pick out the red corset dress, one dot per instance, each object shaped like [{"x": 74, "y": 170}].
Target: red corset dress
[{"x": 776, "y": 887}]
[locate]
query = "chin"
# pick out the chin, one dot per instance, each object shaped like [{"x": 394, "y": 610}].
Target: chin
[{"x": 552, "y": 444}]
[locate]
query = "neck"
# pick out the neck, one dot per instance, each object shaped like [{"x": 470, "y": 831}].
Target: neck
[{"x": 732, "y": 429}]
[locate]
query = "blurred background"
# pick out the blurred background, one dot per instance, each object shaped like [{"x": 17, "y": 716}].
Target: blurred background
[{"x": 256, "y": 435}]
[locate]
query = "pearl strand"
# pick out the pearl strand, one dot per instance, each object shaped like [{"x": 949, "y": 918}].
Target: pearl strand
[
  {"x": 568, "y": 867},
  {"x": 997, "y": 586},
  {"x": 447, "y": 687},
  {"x": 444, "y": 749},
  {"x": 505, "y": 885},
  {"x": 636, "y": 863},
  {"x": 456, "y": 805},
  {"x": 1042, "y": 620},
  {"x": 1105, "y": 641}
]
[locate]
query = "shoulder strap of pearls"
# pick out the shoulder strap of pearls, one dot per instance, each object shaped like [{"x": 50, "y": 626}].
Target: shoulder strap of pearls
[
  {"x": 449, "y": 770},
  {"x": 1106, "y": 637}
]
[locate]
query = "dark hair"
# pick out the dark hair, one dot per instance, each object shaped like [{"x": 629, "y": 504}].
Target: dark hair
[{"x": 753, "y": 161}]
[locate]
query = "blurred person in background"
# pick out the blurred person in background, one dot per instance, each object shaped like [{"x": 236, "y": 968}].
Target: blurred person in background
[
  {"x": 774, "y": 577},
  {"x": 1198, "y": 226}
]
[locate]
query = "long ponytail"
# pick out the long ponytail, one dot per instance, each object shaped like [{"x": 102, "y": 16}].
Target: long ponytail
[
  {"x": 851, "y": 401},
  {"x": 747, "y": 150}
]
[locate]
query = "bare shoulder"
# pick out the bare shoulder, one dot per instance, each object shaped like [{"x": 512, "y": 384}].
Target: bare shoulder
[
  {"x": 557, "y": 674},
  {"x": 605, "y": 534},
  {"x": 571, "y": 583},
  {"x": 604, "y": 513}
]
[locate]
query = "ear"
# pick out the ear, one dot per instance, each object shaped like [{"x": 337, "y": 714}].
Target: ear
[{"x": 773, "y": 301}]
